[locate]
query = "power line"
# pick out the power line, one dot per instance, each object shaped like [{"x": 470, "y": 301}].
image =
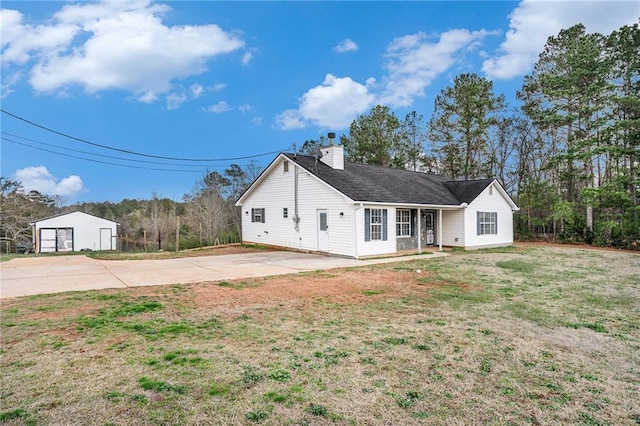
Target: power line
[
  {"x": 94, "y": 154},
  {"x": 133, "y": 152},
  {"x": 4, "y": 139}
]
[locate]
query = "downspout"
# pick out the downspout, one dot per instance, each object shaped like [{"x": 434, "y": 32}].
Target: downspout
[{"x": 296, "y": 218}]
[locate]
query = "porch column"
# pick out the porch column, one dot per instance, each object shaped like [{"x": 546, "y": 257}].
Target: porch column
[
  {"x": 440, "y": 229},
  {"x": 419, "y": 233}
]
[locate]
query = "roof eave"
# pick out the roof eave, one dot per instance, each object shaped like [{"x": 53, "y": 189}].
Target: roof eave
[{"x": 414, "y": 205}]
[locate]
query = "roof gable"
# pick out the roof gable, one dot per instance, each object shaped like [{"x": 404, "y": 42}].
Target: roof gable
[
  {"x": 69, "y": 214},
  {"x": 467, "y": 190},
  {"x": 369, "y": 183}
]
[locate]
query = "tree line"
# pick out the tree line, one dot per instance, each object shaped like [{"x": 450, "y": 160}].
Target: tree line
[
  {"x": 203, "y": 217},
  {"x": 569, "y": 153}
]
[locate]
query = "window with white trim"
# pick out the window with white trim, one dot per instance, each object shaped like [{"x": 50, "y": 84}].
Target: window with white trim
[
  {"x": 487, "y": 223},
  {"x": 257, "y": 215},
  {"x": 375, "y": 224},
  {"x": 285, "y": 212},
  {"x": 285, "y": 166},
  {"x": 403, "y": 223}
]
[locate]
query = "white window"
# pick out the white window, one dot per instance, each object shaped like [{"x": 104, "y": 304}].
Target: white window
[
  {"x": 375, "y": 224},
  {"x": 285, "y": 212},
  {"x": 403, "y": 223},
  {"x": 257, "y": 215},
  {"x": 487, "y": 223},
  {"x": 285, "y": 166}
]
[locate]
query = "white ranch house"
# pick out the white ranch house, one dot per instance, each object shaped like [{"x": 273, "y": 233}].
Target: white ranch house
[
  {"x": 75, "y": 231},
  {"x": 355, "y": 210}
]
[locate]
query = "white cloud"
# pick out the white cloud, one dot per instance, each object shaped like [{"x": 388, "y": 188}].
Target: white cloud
[
  {"x": 218, "y": 87},
  {"x": 8, "y": 82},
  {"x": 218, "y": 108},
  {"x": 19, "y": 41},
  {"x": 196, "y": 90},
  {"x": 333, "y": 104},
  {"x": 244, "y": 108},
  {"x": 40, "y": 179},
  {"x": 414, "y": 62},
  {"x": 174, "y": 100},
  {"x": 248, "y": 56},
  {"x": 346, "y": 45},
  {"x": 256, "y": 121},
  {"x": 112, "y": 45},
  {"x": 290, "y": 119},
  {"x": 532, "y": 22}
]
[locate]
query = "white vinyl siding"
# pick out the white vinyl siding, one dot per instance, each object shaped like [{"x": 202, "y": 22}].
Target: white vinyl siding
[
  {"x": 453, "y": 228},
  {"x": 492, "y": 203},
  {"x": 276, "y": 190},
  {"x": 366, "y": 246}
]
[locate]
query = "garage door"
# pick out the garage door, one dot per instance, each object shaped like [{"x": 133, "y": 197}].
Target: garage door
[
  {"x": 56, "y": 239},
  {"x": 47, "y": 240}
]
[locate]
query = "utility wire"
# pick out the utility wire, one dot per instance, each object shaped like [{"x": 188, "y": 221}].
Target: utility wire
[
  {"x": 97, "y": 155},
  {"x": 132, "y": 152},
  {"x": 4, "y": 139}
]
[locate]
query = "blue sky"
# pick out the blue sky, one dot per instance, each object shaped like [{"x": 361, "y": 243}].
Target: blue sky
[{"x": 209, "y": 80}]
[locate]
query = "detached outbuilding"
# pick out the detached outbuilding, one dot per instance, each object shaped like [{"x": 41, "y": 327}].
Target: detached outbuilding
[
  {"x": 325, "y": 204},
  {"x": 75, "y": 231}
]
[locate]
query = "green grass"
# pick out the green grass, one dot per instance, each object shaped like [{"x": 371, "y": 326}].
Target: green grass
[{"x": 504, "y": 336}]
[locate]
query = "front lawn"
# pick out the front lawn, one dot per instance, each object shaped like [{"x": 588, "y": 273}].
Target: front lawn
[{"x": 517, "y": 336}]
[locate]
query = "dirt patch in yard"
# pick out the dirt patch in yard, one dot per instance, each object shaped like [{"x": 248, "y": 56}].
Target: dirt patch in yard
[{"x": 333, "y": 286}]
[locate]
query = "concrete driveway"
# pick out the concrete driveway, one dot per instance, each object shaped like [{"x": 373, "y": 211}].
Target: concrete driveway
[{"x": 41, "y": 275}]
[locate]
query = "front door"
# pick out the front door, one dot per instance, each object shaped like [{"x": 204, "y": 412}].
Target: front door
[
  {"x": 323, "y": 231},
  {"x": 105, "y": 239},
  {"x": 428, "y": 228}
]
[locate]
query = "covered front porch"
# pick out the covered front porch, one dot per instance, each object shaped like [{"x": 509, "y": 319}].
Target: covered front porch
[{"x": 419, "y": 229}]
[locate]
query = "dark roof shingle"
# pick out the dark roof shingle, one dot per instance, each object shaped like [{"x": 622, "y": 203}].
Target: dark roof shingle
[{"x": 365, "y": 182}]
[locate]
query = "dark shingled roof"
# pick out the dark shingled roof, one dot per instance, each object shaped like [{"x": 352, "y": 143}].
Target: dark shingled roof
[{"x": 365, "y": 182}]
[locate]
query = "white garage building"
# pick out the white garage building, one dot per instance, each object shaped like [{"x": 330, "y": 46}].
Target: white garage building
[{"x": 75, "y": 231}]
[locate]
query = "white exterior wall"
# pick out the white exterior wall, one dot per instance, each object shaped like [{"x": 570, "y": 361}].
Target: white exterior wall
[
  {"x": 86, "y": 229},
  {"x": 276, "y": 191},
  {"x": 489, "y": 201},
  {"x": 372, "y": 248},
  {"x": 453, "y": 226}
]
